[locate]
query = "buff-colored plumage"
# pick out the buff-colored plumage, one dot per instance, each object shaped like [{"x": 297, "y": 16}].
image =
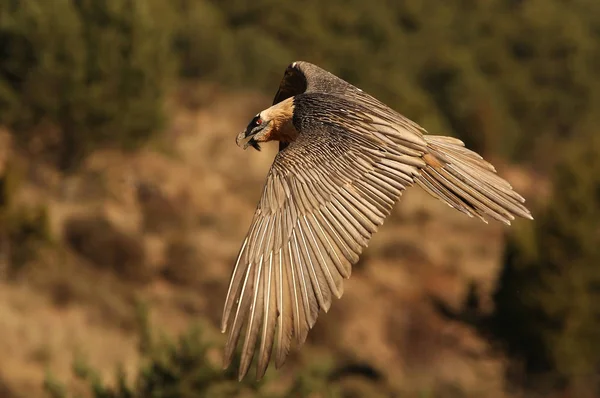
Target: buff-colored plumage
[{"x": 345, "y": 158}]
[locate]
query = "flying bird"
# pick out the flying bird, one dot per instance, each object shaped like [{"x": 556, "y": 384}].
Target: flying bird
[{"x": 344, "y": 160}]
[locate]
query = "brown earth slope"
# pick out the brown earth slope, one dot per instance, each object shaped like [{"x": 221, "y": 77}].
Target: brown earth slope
[{"x": 164, "y": 224}]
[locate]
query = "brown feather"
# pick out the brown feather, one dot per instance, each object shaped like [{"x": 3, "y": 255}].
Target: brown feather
[{"x": 347, "y": 159}]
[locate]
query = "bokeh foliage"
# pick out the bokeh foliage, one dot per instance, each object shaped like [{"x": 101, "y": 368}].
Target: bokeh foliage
[
  {"x": 509, "y": 77},
  {"x": 515, "y": 78},
  {"x": 185, "y": 368},
  {"x": 23, "y": 228},
  {"x": 78, "y": 74},
  {"x": 548, "y": 303}
]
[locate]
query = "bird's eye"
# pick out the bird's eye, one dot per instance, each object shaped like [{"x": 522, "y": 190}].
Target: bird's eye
[{"x": 258, "y": 121}]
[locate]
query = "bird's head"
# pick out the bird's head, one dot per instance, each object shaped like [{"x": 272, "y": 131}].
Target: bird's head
[
  {"x": 274, "y": 123},
  {"x": 257, "y": 131}
]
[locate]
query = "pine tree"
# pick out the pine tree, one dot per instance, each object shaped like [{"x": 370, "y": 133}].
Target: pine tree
[{"x": 548, "y": 304}]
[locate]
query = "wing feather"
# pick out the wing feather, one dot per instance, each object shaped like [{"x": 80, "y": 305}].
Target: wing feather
[
  {"x": 326, "y": 194},
  {"x": 315, "y": 217},
  {"x": 254, "y": 321},
  {"x": 269, "y": 315}
]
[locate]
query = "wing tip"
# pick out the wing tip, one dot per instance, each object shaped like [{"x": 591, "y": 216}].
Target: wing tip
[
  {"x": 261, "y": 370},
  {"x": 226, "y": 360}
]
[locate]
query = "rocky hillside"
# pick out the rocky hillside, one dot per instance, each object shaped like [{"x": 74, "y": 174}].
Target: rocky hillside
[{"x": 164, "y": 224}]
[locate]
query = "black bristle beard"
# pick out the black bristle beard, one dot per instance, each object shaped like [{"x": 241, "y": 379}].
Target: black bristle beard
[{"x": 254, "y": 145}]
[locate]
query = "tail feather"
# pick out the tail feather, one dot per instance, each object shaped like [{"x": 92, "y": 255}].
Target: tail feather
[{"x": 464, "y": 180}]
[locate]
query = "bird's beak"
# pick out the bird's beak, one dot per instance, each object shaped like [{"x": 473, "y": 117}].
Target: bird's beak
[{"x": 244, "y": 140}]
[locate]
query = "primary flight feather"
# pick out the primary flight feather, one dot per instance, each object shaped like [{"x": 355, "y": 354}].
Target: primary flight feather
[{"x": 344, "y": 160}]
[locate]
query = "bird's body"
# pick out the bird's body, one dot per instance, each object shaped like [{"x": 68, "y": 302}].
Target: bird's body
[{"x": 344, "y": 160}]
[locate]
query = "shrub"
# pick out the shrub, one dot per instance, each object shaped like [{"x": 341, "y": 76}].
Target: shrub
[
  {"x": 183, "y": 368},
  {"x": 161, "y": 213},
  {"x": 508, "y": 77},
  {"x": 183, "y": 263},
  {"x": 23, "y": 228},
  {"x": 548, "y": 303},
  {"x": 95, "y": 69},
  {"x": 26, "y": 230},
  {"x": 105, "y": 246},
  {"x": 515, "y": 78}
]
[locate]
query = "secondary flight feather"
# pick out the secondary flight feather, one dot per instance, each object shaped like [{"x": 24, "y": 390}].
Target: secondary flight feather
[{"x": 344, "y": 160}]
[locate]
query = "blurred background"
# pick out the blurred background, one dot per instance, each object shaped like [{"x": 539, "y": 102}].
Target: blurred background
[{"x": 124, "y": 200}]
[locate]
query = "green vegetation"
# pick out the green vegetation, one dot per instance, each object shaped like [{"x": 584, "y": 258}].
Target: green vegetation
[
  {"x": 548, "y": 304},
  {"x": 190, "y": 366},
  {"x": 184, "y": 368},
  {"x": 78, "y": 74},
  {"x": 23, "y": 228},
  {"x": 508, "y": 77},
  {"x": 516, "y": 78}
]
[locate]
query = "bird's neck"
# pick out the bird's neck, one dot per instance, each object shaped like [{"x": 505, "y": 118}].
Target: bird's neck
[{"x": 281, "y": 116}]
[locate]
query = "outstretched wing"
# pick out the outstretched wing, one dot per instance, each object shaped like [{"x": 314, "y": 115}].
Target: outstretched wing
[{"x": 325, "y": 195}]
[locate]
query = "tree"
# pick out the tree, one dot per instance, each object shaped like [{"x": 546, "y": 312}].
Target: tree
[
  {"x": 77, "y": 74},
  {"x": 548, "y": 303}
]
